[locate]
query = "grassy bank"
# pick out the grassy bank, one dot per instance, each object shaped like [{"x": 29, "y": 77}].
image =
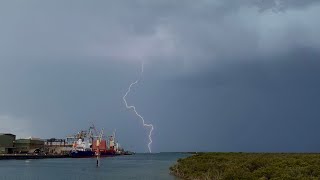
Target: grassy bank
[{"x": 248, "y": 166}]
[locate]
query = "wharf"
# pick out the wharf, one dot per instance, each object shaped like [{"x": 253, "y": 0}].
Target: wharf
[{"x": 30, "y": 156}]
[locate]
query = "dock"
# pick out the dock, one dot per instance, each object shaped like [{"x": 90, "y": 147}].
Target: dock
[{"x": 30, "y": 156}]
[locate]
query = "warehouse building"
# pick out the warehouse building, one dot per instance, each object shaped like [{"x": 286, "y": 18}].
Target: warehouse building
[
  {"x": 30, "y": 145},
  {"x": 7, "y": 143},
  {"x": 57, "y": 146}
]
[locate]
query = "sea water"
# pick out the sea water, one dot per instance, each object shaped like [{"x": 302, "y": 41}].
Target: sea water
[{"x": 137, "y": 166}]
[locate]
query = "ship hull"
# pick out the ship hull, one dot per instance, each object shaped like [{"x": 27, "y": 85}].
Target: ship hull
[
  {"x": 82, "y": 154},
  {"x": 108, "y": 153}
]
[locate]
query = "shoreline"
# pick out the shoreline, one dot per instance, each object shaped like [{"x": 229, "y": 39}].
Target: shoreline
[{"x": 248, "y": 166}]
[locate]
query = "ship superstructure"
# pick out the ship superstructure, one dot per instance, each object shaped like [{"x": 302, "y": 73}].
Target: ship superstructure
[{"x": 90, "y": 143}]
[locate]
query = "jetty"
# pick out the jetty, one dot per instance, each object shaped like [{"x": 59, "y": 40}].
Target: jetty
[{"x": 30, "y": 156}]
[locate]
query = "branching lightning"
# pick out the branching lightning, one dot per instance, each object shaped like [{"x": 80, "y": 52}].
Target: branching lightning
[{"x": 134, "y": 108}]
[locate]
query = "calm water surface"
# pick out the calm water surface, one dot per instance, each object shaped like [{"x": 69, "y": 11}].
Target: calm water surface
[{"x": 138, "y": 166}]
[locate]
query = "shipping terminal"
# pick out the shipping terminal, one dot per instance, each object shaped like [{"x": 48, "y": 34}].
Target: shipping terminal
[{"x": 89, "y": 143}]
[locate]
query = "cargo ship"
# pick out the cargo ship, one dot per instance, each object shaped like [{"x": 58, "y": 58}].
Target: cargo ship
[
  {"x": 108, "y": 149},
  {"x": 90, "y": 143},
  {"x": 81, "y": 149}
]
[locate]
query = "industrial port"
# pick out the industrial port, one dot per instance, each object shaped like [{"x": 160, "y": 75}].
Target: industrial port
[{"x": 88, "y": 143}]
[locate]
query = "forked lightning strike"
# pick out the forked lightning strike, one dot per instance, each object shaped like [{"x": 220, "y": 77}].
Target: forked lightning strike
[{"x": 134, "y": 108}]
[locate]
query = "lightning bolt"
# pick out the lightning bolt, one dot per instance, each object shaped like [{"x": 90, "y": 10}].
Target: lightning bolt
[{"x": 134, "y": 108}]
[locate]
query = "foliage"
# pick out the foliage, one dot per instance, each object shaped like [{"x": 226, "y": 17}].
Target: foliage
[{"x": 248, "y": 166}]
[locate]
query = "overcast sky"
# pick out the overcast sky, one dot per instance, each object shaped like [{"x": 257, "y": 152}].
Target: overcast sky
[{"x": 220, "y": 75}]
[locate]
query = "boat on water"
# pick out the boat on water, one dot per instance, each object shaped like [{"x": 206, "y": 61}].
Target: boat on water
[
  {"x": 81, "y": 149},
  {"x": 106, "y": 149},
  {"x": 90, "y": 143}
]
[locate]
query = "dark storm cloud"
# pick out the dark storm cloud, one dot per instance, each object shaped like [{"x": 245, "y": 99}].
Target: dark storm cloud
[
  {"x": 220, "y": 75},
  {"x": 282, "y": 5},
  {"x": 197, "y": 32},
  {"x": 256, "y": 105}
]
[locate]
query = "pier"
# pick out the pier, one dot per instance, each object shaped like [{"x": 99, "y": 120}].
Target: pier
[{"x": 30, "y": 156}]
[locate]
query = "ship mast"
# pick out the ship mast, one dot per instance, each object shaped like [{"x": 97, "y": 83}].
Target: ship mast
[{"x": 98, "y": 141}]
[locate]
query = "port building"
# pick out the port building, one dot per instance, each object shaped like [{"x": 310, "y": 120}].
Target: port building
[
  {"x": 57, "y": 146},
  {"x": 7, "y": 143},
  {"x": 30, "y": 145}
]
